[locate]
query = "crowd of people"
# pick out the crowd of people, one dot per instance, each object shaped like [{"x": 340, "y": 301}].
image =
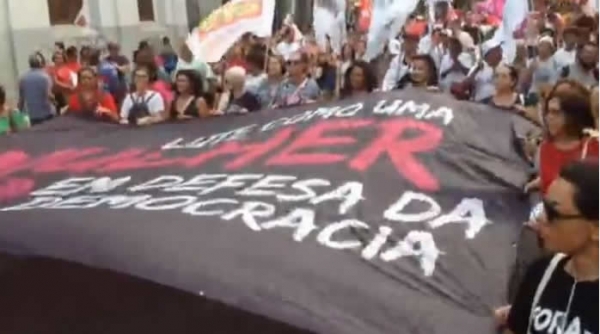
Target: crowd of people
[{"x": 553, "y": 82}]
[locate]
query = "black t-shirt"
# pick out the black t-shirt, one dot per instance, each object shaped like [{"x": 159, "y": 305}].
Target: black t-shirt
[
  {"x": 582, "y": 315},
  {"x": 247, "y": 102}
]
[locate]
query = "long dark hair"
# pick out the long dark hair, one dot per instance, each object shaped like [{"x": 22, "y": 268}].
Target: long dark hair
[
  {"x": 368, "y": 73},
  {"x": 432, "y": 80},
  {"x": 196, "y": 82}
]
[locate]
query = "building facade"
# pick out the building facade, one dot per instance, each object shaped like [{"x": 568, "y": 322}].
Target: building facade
[
  {"x": 30, "y": 25},
  {"x": 27, "y": 26}
]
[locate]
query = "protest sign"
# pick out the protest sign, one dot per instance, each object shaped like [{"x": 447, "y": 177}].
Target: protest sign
[{"x": 368, "y": 215}]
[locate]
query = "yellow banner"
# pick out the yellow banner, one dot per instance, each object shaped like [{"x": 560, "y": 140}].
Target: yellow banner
[{"x": 230, "y": 13}]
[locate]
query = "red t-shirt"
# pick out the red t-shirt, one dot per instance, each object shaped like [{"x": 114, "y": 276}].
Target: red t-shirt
[
  {"x": 552, "y": 159},
  {"x": 104, "y": 100},
  {"x": 73, "y": 66},
  {"x": 237, "y": 62}
]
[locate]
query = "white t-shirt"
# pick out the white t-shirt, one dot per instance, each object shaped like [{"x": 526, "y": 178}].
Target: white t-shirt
[
  {"x": 254, "y": 81},
  {"x": 287, "y": 49},
  {"x": 466, "y": 61},
  {"x": 484, "y": 83},
  {"x": 564, "y": 58},
  {"x": 546, "y": 73},
  {"x": 152, "y": 99}
]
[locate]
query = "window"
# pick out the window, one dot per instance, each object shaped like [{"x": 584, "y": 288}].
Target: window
[
  {"x": 146, "y": 10},
  {"x": 63, "y": 11}
]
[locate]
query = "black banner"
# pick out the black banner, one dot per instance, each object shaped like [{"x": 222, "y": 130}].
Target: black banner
[{"x": 392, "y": 214}]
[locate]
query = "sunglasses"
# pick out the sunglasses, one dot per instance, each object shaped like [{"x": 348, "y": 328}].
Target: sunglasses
[{"x": 553, "y": 215}]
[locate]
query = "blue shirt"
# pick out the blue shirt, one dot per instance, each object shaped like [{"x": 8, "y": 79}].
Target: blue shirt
[
  {"x": 113, "y": 83},
  {"x": 34, "y": 87},
  {"x": 288, "y": 94}
]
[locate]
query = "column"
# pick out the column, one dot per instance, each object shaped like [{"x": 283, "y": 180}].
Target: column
[
  {"x": 8, "y": 75},
  {"x": 128, "y": 20},
  {"x": 30, "y": 24},
  {"x": 104, "y": 19}
]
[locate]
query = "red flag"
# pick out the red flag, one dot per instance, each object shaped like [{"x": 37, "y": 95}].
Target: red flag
[{"x": 365, "y": 9}]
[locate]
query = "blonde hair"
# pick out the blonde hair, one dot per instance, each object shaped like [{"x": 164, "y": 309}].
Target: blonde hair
[{"x": 235, "y": 76}]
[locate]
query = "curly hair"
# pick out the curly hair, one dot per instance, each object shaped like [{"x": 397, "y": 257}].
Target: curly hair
[
  {"x": 369, "y": 77},
  {"x": 195, "y": 80}
]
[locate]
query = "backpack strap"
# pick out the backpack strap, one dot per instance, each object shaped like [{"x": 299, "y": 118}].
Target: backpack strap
[
  {"x": 146, "y": 100},
  {"x": 542, "y": 285}
]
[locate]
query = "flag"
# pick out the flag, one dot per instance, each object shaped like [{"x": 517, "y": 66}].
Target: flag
[
  {"x": 227, "y": 24},
  {"x": 388, "y": 17},
  {"x": 330, "y": 20},
  {"x": 365, "y": 11},
  {"x": 514, "y": 20}
]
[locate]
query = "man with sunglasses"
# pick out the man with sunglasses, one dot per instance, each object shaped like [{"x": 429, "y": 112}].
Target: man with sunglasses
[
  {"x": 560, "y": 294},
  {"x": 299, "y": 88}
]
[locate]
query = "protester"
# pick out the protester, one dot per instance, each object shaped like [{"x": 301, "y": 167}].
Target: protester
[
  {"x": 567, "y": 113},
  {"x": 255, "y": 60},
  {"x": 142, "y": 106},
  {"x": 482, "y": 78},
  {"x": 145, "y": 57},
  {"x": 585, "y": 68},
  {"x": 235, "y": 99},
  {"x": 400, "y": 64},
  {"x": 59, "y": 46},
  {"x": 358, "y": 79},
  {"x": 521, "y": 58},
  {"x": 113, "y": 70},
  {"x": 506, "y": 79},
  {"x": 160, "y": 85},
  {"x": 267, "y": 89},
  {"x": 565, "y": 56},
  {"x": 85, "y": 54},
  {"x": 89, "y": 100},
  {"x": 423, "y": 74},
  {"x": 559, "y": 293},
  {"x": 454, "y": 65},
  {"x": 190, "y": 99},
  {"x": 35, "y": 93},
  {"x": 11, "y": 119},
  {"x": 72, "y": 59},
  {"x": 298, "y": 88},
  {"x": 188, "y": 61},
  {"x": 236, "y": 57},
  {"x": 542, "y": 70},
  {"x": 325, "y": 75},
  {"x": 287, "y": 45},
  {"x": 63, "y": 79},
  {"x": 168, "y": 56}
]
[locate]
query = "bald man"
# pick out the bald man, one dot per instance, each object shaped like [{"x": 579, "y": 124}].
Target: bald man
[{"x": 236, "y": 99}]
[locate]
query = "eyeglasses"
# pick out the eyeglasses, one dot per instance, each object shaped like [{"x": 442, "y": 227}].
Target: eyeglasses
[
  {"x": 293, "y": 62},
  {"x": 553, "y": 215}
]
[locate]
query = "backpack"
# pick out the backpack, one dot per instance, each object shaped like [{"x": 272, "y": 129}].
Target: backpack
[
  {"x": 170, "y": 63},
  {"x": 139, "y": 108}
]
